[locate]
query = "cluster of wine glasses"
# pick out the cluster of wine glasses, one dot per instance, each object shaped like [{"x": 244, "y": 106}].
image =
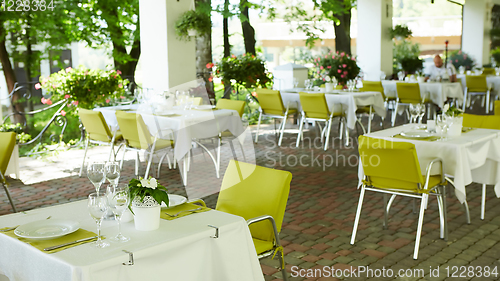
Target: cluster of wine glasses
[
  {"x": 308, "y": 83},
  {"x": 417, "y": 111},
  {"x": 184, "y": 98},
  {"x": 113, "y": 202},
  {"x": 351, "y": 85}
]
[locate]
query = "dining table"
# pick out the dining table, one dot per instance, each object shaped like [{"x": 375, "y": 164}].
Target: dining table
[
  {"x": 210, "y": 245},
  {"x": 437, "y": 92},
  {"x": 186, "y": 124},
  {"x": 340, "y": 101},
  {"x": 474, "y": 156}
]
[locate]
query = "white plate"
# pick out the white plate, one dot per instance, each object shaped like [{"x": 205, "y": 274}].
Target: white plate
[
  {"x": 47, "y": 229},
  {"x": 204, "y": 107},
  {"x": 174, "y": 200},
  {"x": 165, "y": 113},
  {"x": 416, "y": 134}
]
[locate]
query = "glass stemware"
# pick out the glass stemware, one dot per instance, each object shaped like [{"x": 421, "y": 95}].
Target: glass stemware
[
  {"x": 441, "y": 126},
  {"x": 414, "y": 112},
  {"x": 112, "y": 171},
  {"x": 97, "y": 206},
  {"x": 118, "y": 200},
  {"x": 421, "y": 113},
  {"x": 96, "y": 174}
]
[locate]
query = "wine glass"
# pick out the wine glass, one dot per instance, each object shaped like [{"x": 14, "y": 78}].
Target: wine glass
[
  {"x": 118, "y": 200},
  {"x": 441, "y": 126},
  {"x": 421, "y": 113},
  {"x": 414, "y": 111},
  {"x": 97, "y": 205},
  {"x": 96, "y": 174},
  {"x": 112, "y": 171},
  {"x": 295, "y": 82}
]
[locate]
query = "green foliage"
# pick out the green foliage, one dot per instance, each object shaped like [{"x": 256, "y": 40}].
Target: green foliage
[
  {"x": 402, "y": 51},
  {"x": 246, "y": 70},
  {"x": 400, "y": 31},
  {"x": 82, "y": 87},
  {"x": 21, "y": 137},
  {"x": 193, "y": 19},
  {"x": 137, "y": 189},
  {"x": 412, "y": 64},
  {"x": 495, "y": 53},
  {"x": 339, "y": 65},
  {"x": 459, "y": 58}
]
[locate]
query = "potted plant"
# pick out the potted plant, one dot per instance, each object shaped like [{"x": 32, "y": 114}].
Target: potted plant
[
  {"x": 192, "y": 23},
  {"x": 454, "y": 119},
  {"x": 82, "y": 87},
  {"x": 146, "y": 196},
  {"x": 459, "y": 58},
  {"x": 245, "y": 70},
  {"x": 400, "y": 32},
  {"x": 411, "y": 64},
  {"x": 340, "y": 66}
]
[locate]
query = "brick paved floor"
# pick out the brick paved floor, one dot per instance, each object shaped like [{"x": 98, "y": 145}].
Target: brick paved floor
[{"x": 320, "y": 212}]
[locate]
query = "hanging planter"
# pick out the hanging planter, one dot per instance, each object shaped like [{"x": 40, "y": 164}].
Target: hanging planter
[
  {"x": 193, "y": 23},
  {"x": 400, "y": 32}
]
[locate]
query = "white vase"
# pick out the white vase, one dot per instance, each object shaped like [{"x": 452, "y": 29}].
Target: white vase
[
  {"x": 454, "y": 126},
  {"x": 328, "y": 87},
  {"x": 146, "y": 213},
  {"x": 192, "y": 32}
]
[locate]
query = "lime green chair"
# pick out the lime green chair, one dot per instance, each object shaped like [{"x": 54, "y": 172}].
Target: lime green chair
[
  {"x": 407, "y": 93},
  {"x": 497, "y": 107},
  {"x": 393, "y": 168},
  {"x": 259, "y": 195},
  {"x": 271, "y": 105},
  {"x": 315, "y": 108},
  {"x": 489, "y": 71},
  {"x": 484, "y": 122},
  {"x": 237, "y": 105},
  {"x": 98, "y": 132},
  {"x": 7, "y": 144},
  {"x": 372, "y": 86},
  {"x": 197, "y": 101},
  {"x": 138, "y": 138},
  {"x": 477, "y": 85}
]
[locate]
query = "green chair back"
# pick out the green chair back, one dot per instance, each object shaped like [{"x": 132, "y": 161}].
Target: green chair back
[
  {"x": 481, "y": 121},
  {"x": 251, "y": 191},
  {"x": 373, "y": 86},
  {"x": 383, "y": 164},
  {"x": 314, "y": 105},
  {"x": 408, "y": 93},
  {"x": 270, "y": 101},
  {"x": 134, "y": 130},
  {"x": 237, "y": 105},
  {"x": 7, "y": 144},
  {"x": 95, "y": 125},
  {"x": 489, "y": 71},
  {"x": 476, "y": 83},
  {"x": 497, "y": 107}
]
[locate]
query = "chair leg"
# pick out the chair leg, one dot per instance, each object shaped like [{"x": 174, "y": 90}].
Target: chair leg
[
  {"x": 467, "y": 212},
  {"x": 387, "y": 208},
  {"x": 328, "y": 130},
  {"x": 420, "y": 223},
  {"x": 443, "y": 229},
  {"x": 137, "y": 164},
  {"x": 394, "y": 114},
  {"x": 465, "y": 100},
  {"x": 235, "y": 157},
  {"x": 487, "y": 105},
  {"x": 483, "y": 201},
  {"x": 8, "y": 194},
  {"x": 370, "y": 120},
  {"x": 282, "y": 131},
  {"x": 159, "y": 163},
  {"x": 85, "y": 155},
  {"x": 283, "y": 268},
  {"x": 299, "y": 136},
  {"x": 258, "y": 127},
  {"x": 358, "y": 213}
]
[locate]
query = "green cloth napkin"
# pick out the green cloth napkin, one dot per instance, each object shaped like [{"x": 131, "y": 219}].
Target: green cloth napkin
[
  {"x": 183, "y": 207},
  {"x": 431, "y": 138},
  {"x": 42, "y": 244},
  {"x": 169, "y": 115}
]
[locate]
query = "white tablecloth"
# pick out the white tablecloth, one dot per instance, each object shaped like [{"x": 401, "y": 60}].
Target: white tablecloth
[
  {"x": 339, "y": 101},
  {"x": 494, "y": 81},
  {"x": 472, "y": 157},
  {"x": 180, "y": 249},
  {"x": 438, "y": 92},
  {"x": 191, "y": 124}
]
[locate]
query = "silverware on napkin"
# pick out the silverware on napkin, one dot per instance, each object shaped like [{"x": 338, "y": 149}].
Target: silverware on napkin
[
  {"x": 69, "y": 243},
  {"x": 178, "y": 213}
]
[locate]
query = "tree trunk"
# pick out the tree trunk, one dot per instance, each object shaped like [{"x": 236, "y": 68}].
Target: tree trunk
[
  {"x": 204, "y": 55},
  {"x": 343, "y": 32},
  {"x": 246, "y": 27},
  {"x": 10, "y": 77},
  {"x": 227, "y": 46}
]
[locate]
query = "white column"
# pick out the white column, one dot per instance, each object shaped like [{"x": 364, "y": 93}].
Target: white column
[
  {"x": 476, "y": 30},
  {"x": 374, "y": 45},
  {"x": 166, "y": 61}
]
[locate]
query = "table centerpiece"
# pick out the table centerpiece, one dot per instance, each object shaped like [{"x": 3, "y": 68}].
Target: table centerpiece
[
  {"x": 454, "y": 119},
  {"x": 146, "y": 196}
]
